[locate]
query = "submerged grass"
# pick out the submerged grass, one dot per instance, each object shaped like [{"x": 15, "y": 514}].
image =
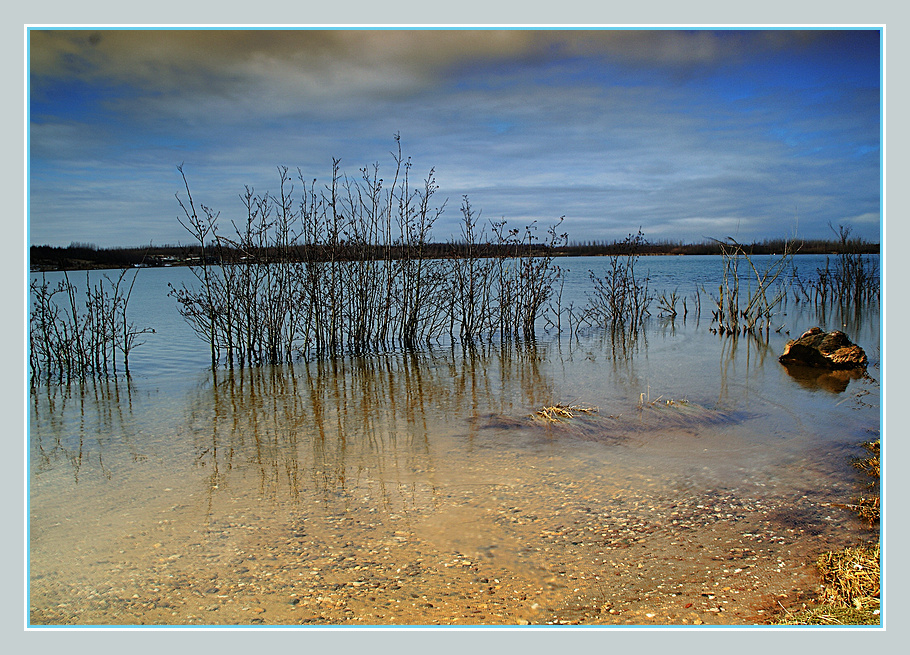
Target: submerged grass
[
  {"x": 559, "y": 412},
  {"x": 871, "y": 465},
  {"x": 868, "y": 507},
  {"x": 679, "y": 414},
  {"x": 660, "y": 401}
]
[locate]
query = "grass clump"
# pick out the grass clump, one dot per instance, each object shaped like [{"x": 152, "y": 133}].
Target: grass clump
[
  {"x": 851, "y": 576},
  {"x": 851, "y": 581},
  {"x": 831, "y": 615},
  {"x": 559, "y": 412}
]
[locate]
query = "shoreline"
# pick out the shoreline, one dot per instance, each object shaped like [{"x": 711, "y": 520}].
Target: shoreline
[{"x": 165, "y": 257}]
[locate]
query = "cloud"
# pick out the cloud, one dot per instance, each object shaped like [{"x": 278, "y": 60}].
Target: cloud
[
  {"x": 613, "y": 129},
  {"x": 268, "y": 71}
]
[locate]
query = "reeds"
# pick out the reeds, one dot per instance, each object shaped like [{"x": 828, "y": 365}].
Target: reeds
[
  {"x": 746, "y": 302},
  {"x": 77, "y": 338},
  {"x": 351, "y": 268},
  {"x": 666, "y": 303},
  {"x": 621, "y": 297},
  {"x": 473, "y": 280},
  {"x": 850, "y": 280}
]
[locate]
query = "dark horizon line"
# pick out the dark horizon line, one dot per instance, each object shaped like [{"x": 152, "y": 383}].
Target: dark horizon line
[
  {"x": 81, "y": 256},
  {"x": 663, "y": 242}
]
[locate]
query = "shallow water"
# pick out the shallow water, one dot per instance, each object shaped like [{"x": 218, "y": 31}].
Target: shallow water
[{"x": 417, "y": 488}]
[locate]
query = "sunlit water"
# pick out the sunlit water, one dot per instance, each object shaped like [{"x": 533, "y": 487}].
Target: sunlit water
[{"x": 147, "y": 492}]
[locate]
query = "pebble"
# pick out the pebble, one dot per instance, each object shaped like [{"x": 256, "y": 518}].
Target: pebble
[{"x": 590, "y": 560}]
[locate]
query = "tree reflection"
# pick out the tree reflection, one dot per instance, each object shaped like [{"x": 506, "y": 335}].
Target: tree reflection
[
  {"x": 78, "y": 422},
  {"x": 356, "y": 429},
  {"x": 749, "y": 350}
]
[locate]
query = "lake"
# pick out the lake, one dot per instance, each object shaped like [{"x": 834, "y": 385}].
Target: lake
[{"x": 421, "y": 487}]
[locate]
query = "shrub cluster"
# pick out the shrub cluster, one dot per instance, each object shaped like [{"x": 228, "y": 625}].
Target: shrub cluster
[{"x": 349, "y": 268}]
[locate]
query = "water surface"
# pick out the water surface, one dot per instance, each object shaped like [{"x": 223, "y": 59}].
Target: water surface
[{"x": 420, "y": 487}]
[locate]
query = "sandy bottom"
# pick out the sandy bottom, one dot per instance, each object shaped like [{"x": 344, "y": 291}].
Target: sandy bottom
[{"x": 522, "y": 536}]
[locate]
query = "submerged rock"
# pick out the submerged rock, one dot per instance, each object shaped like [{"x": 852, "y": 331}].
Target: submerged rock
[{"x": 818, "y": 349}]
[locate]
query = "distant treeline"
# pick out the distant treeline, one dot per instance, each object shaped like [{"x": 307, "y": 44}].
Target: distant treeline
[
  {"x": 715, "y": 247},
  {"x": 83, "y": 256}
]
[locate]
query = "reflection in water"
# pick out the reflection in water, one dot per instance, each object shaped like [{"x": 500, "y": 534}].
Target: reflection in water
[
  {"x": 371, "y": 422},
  {"x": 358, "y": 424},
  {"x": 835, "y": 381},
  {"x": 612, "y": 350},
  {"x": 851, "y": 318},
  {"x": 748, "y": 349},
  {"x": 78, "y": 422},
  {"x": 621, "y": 343}
]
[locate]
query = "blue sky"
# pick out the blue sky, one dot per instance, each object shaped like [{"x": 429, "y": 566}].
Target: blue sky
[{"x": 687, "y": 134}]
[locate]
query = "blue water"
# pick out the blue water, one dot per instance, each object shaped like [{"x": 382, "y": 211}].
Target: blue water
[{"x": 174, "y": 352}]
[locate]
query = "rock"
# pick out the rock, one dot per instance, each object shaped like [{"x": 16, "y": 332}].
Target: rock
[{"x": 831, "y": 350}]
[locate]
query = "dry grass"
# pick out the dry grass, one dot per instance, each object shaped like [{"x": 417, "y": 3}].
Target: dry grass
[
  {"x": 869, "y": 507},
  {"x": 871, "y": 464},
  {"x": 831, "y": 615},
  {"x": 644, "y": 400},
  {"x": 851, "y": 576},
  {"x": 851, "y": 589},
  {"x": 559, "y": 412}
]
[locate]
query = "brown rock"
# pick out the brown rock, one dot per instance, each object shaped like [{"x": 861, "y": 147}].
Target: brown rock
[{"x": 832, "y": 350}]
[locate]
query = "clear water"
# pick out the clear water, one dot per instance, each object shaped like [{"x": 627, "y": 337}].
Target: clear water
[{"x": 142, "y": 490}]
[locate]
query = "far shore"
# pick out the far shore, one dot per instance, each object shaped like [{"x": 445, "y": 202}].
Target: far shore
[{"x": 77, "y": 257}]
